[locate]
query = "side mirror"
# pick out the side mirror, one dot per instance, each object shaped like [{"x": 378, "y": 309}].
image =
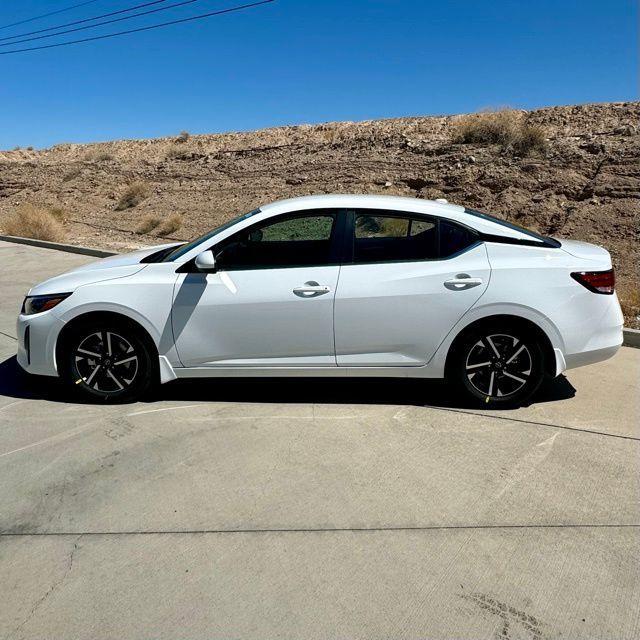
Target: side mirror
[{"x": 205, "y": 262}]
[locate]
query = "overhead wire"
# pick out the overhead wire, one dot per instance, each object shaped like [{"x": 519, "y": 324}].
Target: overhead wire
[
  {"x": 71, "y": 24},
  {"x": 201, "y": 16},
  {"x": 101, "y": 24},
  {"x": 46, "y": 15}
]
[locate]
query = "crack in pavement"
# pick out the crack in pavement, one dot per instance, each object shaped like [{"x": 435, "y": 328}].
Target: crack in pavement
[
  {"x": 533, "y": 422},
  {"x": 51, "y": 589},
  {"x": 390, "y": 529}
]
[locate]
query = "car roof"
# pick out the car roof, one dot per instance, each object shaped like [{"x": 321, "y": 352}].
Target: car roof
[
  {"x": 362, "y": 201},
  {"x": 394, "y": 203}
]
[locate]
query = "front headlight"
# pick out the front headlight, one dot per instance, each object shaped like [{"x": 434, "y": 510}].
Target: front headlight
[{"x": 38, "y": 304}]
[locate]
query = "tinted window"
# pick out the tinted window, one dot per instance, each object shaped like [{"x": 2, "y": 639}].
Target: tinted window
[
  {"x": 386, "y": 238},
  {"x": 286, "y": 242},
  {"x": 536, "y": 236},
  {"x": 454, "y": 238},
  {"x": 177, "y": 252}
]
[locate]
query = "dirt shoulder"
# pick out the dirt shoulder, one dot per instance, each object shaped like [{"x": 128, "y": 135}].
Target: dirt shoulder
[{"x": 585, "y": 185}]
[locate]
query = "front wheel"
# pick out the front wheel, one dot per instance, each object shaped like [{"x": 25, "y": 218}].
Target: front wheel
[
  {"x": 108, "y": 362},
  {"x": 498, "y": 366}
]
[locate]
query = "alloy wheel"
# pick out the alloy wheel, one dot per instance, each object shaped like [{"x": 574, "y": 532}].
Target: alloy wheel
[
  {"x": 498, "y": 365},
  {"x": 106, "y": 362}
]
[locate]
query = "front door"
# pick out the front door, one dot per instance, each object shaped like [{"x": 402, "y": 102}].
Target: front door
[
  {"x": 269, "y": 304},
  {"x": 411, "y": 278}
]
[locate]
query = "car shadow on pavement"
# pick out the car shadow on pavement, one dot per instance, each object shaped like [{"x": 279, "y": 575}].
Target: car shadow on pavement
[{"x": 15, "y": 383}]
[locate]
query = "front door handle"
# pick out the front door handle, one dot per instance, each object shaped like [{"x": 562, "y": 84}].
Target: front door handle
[
  {"x": 311, "y": 289},
  {"x": 462, "y": 281}
]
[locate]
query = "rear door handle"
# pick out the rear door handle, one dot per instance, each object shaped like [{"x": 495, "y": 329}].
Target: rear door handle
[
  {"x": 462, "y": 281},
  {"x": 311, "y": 289}
]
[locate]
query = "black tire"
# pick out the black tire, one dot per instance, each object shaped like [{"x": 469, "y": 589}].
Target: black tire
[
  {"x": 497, "y": 365},
  {"x": 108, "y": 361}
]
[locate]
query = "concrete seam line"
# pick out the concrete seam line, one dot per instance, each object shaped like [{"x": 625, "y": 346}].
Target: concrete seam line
[
  {"x": 535, "y": 424},
  {"x": 478, "y": 527},
  {"x": 6, "y": 335},
  {"x": 58, "y": 246}
]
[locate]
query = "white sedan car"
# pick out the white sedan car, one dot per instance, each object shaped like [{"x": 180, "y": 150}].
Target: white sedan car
[{"x": 337, "y": 285}]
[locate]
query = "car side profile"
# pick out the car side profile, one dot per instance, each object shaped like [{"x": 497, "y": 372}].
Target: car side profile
[{"x": 335, "y": 285}]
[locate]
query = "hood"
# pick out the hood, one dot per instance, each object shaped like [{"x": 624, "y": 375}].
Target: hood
[
  {"x": 118, "y": 266},
  {"x": 587, "y": 251}
]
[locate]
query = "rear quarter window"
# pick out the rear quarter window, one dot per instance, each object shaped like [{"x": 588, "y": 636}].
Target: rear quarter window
[{"x": 454, "y": 238}]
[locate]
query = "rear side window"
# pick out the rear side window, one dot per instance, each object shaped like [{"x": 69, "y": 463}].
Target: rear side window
[
  {"x": 380, "y": 238},
  {"x": 397, "y": 238},
  {"x": 289, "y": 241}
]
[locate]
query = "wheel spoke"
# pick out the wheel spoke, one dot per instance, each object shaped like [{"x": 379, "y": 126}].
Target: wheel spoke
[
  {"x": 493, "y": 346},
  {"x": 515, "y": 354},
  {"x": 110, "y": 374},
  {"x": 89, "y": 353},
  {"x": 129, "y": 359},
  {"x": 510, "y": 375},
  {"x": 493, "y": 375},
  {"x": 108, "y": 343},
  {"x": 93, "y": 374},
  {"x": 476, "y": 366}
]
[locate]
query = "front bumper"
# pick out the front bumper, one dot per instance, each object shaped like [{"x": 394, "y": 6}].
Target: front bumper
[{"x": 37, "y": 336}]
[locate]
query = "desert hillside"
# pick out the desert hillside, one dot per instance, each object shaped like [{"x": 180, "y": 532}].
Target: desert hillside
[{"x": 582, "y": 180}]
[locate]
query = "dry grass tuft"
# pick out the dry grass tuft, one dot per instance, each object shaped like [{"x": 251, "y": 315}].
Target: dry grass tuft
[
  {"x": 630, "y": 302},
  {"x": 183, "y": 137},
  {"x": 29, "y": 221},
  {"x": 148, "y": 223},
  {"x": 505, "y": 127},
  {"x": 59, "y": 214},
  {"x": 170, "y": 225},
  {"x": 103, "y": 156},
  {"x": 134, "y": 194},
  {"x": 175, "y": 153}
]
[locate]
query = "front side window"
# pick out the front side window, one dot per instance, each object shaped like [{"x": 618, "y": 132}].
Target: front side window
[
  {"x": 288, "y": 241},
  {"x": 393, "y": 238}
]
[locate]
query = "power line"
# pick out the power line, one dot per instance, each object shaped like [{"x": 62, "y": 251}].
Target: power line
[
  {"x": 100, "y": 24},
  {"x": 45, "y": 15},
  {"x": 139, "y": 29},
  {"x": 71, "y": 24}
]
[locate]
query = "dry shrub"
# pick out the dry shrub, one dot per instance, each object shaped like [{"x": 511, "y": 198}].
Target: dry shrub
[
  {"x": 505, "y": 127},
  {"x": 170, "y": 225},
  {"x": 103, "y": 156},
  {"x": 493, "y": 127},
  {"x": 29, "y": 221},
  {"x": 134, "y": 194},
  {"x": 72, "y": 174},
  {"x": 58, "y": 213},
  {"x": 630, "y": 302},
  {"x": 531, "y": 138},
  {"x": 148, "y": 223},
  {"x": 175, "y": 153},
  {"x": 183, "y": 137}
]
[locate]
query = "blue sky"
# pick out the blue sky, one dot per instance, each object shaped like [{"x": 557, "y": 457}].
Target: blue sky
[{"x": 298, "y": 61}]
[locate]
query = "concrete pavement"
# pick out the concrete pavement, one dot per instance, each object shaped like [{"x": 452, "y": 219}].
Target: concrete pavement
[{"x": 315, "y": 509}]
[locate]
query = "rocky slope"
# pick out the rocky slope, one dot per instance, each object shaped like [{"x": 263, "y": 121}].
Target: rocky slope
[{"x": 585, "y": 186}]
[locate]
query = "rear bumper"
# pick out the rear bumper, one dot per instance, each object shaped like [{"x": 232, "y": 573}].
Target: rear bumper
[
  {"x": 37, "y": 335},
  {"x": 603, "y": 341},
  {"x": 590, "y": 357}
]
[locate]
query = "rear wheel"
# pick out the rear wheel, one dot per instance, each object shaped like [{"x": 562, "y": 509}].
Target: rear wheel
[
  {"x": 498, "y": 365},
  {"x": 108, "y": 361}
]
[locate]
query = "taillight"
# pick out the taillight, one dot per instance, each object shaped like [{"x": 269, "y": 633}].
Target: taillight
[{"x": 596, "y": 281}]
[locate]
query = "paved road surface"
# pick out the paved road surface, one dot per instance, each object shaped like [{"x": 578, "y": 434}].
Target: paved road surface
[{"x": 304, "y": 509}]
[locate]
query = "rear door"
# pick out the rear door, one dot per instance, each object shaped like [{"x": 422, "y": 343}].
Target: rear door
[{"x": 409, "y": 279}]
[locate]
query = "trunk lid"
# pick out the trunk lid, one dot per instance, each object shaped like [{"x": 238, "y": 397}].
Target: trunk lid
[{"x": 598, "y": 257}]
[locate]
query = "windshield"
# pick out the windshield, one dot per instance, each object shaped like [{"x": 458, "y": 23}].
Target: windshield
[
  {"x": 515, "y": 227},
  {"x": 177, "y": 252}
]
